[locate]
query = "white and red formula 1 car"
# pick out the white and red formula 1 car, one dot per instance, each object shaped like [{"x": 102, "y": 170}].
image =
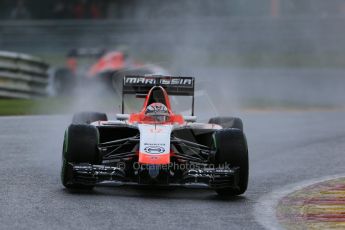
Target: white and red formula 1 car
[{"x": 155, "y": 146}]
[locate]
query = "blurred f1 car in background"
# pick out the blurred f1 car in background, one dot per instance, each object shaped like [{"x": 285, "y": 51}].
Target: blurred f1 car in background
[
  {"x": 87, "y": 65},
  {"x": 155, "y": 146}
]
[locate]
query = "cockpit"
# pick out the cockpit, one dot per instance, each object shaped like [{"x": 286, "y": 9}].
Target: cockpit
[
  {"x": 157, "y": 112},
  {"x": 157, "y": 106}
]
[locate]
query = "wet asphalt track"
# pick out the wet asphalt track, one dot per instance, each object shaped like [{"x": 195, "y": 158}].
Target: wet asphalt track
[{"x": 285, "y": 148}]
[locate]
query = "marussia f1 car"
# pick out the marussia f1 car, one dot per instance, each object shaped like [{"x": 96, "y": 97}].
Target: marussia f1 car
[
  {"x": 155, "y": 146},
  {"x": 86, "y": 65}
]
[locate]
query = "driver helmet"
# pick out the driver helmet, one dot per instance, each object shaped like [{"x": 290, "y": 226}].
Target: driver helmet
[{"x": 157, "y": 111}]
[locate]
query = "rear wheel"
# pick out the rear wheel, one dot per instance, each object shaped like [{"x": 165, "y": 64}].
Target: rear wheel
[
  {"x": 80, "y": 146},
  {"x": 227, "y": 122},
  {"x": 64, "y": 82},
  {"x": 231, "y": 145},
  {"x": 88, "y": 117}
]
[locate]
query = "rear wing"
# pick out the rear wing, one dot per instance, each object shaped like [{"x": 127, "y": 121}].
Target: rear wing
[{"x": 175, "y": 86}]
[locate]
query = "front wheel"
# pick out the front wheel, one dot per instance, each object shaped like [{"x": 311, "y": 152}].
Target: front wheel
[
  {"x": 232, "y": 149},
  {"x": 80, "y": 146}
]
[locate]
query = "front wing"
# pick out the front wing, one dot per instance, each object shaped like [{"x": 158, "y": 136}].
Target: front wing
[{"x": 215, "y": 178}]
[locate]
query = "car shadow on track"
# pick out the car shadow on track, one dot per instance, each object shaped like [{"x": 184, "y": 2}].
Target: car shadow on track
[{"x": 156, "y": 193}]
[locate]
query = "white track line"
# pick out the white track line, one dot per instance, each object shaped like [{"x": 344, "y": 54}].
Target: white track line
[{"x": 265, "y": 208}]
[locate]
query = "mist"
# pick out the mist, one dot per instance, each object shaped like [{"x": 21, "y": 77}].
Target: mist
[{"x": 267, "y": 54}]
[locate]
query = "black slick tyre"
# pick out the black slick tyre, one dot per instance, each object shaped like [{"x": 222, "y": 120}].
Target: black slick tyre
[
  {"x": 80, "y": 146},
  {"x": 232, "y": 149}
]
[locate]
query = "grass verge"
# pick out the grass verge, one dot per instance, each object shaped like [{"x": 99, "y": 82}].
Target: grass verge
[{"x": 9, "y": 107}]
